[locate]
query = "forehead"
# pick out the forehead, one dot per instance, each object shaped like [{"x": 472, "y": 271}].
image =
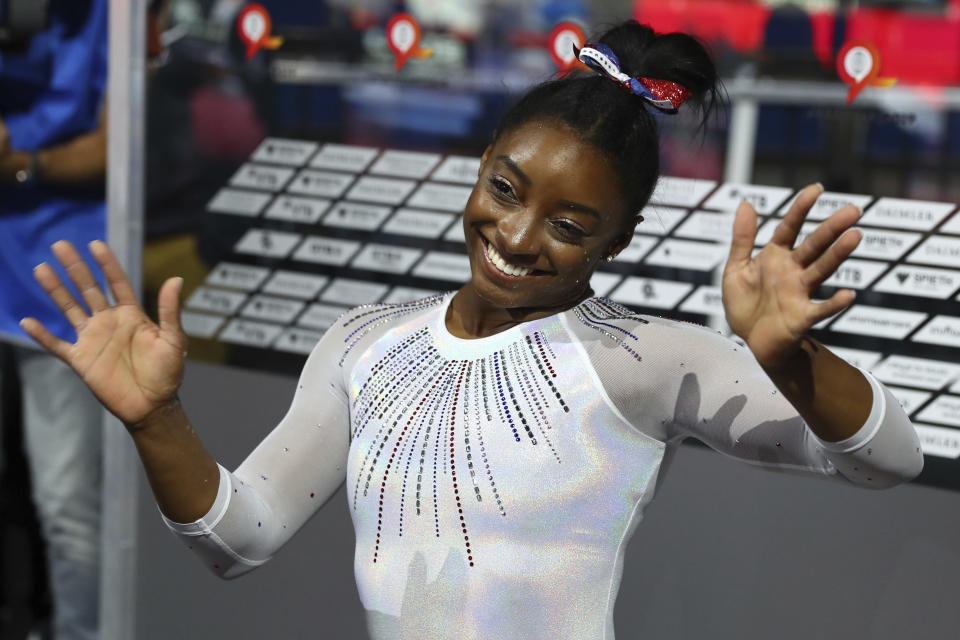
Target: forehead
[{"x": 559, "y": 162}]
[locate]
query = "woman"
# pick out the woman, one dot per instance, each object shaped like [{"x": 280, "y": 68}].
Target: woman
[{"x": 499, "y": 443}]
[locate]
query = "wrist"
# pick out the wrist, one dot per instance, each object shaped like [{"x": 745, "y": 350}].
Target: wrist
[
  {"x": 162, "y": 417},
  {"x": 16, "y": 163}
]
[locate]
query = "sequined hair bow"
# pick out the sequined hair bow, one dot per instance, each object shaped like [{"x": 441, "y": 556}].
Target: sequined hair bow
[{"x": 662, "y": 94}]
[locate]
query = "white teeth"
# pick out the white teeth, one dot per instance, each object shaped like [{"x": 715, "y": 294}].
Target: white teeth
[{"x": 503, "y": 265}]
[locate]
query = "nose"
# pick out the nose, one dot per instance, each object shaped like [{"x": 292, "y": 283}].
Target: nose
[{"x": 518, "y": 237}]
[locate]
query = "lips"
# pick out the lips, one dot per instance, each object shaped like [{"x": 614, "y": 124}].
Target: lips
[{"x": 500, "y": 266}]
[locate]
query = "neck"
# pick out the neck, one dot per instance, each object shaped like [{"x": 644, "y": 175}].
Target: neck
[{"x": 471, "y": 316}]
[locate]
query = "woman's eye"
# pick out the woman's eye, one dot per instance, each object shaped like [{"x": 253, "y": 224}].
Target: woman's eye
[
  {"x": 502, "y": 188},
  {"x": 569, "y": 228}
]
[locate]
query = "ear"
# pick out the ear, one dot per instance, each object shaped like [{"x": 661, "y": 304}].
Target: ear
[{"x": 621, "y": 241}]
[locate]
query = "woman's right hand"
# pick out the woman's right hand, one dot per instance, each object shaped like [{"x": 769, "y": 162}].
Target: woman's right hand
[{"x": 131, "y": 364}]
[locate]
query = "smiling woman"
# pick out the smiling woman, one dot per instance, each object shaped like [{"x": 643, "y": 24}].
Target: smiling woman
[{"x": 499, "y": 443}]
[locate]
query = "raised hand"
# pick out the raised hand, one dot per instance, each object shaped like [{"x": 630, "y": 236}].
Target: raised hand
[
  {"x": 766, "y": 298},
  {"x": 131, "y": 364}
]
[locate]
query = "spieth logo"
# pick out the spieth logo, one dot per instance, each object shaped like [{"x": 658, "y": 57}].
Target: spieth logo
[{"x": 858, "y": 65}]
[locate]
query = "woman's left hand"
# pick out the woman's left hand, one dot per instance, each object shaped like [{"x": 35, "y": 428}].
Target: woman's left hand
[{"x": 766, "y": 297}]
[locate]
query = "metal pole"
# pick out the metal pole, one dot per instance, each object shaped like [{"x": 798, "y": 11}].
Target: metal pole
[{"x": 125, "y": 151}]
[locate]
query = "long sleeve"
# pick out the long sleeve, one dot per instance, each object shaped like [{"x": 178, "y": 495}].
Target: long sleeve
[
  {"x": 683, "y": 381},
  {"x": 287, "y": 478}
]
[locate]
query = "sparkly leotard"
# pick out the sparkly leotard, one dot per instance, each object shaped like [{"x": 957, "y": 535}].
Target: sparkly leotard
[{"x": 494, "y": 483}]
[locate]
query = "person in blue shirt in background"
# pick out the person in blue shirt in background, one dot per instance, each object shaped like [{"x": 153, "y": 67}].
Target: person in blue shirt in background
[{"x": 52, "y": 169}]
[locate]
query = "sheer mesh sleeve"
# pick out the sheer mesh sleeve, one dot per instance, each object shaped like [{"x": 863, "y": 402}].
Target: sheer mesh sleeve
[
  {"x": 287, "y": 478},
  {"x": 674, "y": 380}
]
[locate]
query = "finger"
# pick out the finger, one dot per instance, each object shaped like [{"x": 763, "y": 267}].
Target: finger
[
  {"x": 47, "y": 340},
  {"x": 789, "y": 228},
  {"x": 826, "y": 234},
  {"x": 168, "y": 307},
  {"x": 830, "y": 260},
  {"x": 61, "y": 296},
  {"x": 80, "y": 275},
  {"x": 831, "y": 306},
  {"x": 744, "y": 234},
  {"x": 116, "y": 278}
]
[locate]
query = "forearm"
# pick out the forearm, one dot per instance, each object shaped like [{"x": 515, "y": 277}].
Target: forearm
[
  {"x": 831, "y": 395},
  {"x": 183, "y": 476},
  {"x": 80, "y": 161}
]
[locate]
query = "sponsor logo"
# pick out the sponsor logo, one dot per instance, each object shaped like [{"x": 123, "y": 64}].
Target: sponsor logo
[{"x": 858, "y": 65}]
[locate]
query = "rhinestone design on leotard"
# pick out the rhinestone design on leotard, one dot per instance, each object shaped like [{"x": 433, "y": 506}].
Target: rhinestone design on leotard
[
  {"x": 428, "y": 416},
  {"x": 597, "y": 314}
]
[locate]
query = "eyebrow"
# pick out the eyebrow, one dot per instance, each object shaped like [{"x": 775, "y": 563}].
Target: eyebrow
[{"x": 575, "y": 206}]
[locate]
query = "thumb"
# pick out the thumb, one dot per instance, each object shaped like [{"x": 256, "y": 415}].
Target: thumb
[{"x": 168, "y": 306}]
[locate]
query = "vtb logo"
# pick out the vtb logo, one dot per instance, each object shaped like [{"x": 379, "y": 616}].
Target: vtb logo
[{"x": 858, "y": 65}]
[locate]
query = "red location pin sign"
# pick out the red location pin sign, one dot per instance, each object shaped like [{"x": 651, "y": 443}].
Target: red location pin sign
[
  {"x": 253, "y": 25},
  {"x": 403, "y": 38},
  {"x": 858, "y": 65},
  {"x": 565, "y": 40}
]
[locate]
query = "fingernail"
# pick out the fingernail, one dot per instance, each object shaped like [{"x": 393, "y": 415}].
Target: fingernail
[
  {"x": 179, "y": 284},
  {"x": 39, "y": 265},
  {"x": 819, "y": 184}
]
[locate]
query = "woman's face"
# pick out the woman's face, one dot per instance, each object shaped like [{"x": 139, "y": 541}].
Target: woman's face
[{"x": 546, "y": 209}]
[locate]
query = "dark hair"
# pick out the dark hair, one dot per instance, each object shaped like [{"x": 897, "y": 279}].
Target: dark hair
[{"x": 611, "y": 117}]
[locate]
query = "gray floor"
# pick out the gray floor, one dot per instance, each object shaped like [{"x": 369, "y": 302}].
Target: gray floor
[{"x": 726, "y": 551}]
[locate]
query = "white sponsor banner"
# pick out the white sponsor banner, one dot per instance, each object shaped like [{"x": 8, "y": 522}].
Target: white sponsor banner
[
  {"x": 706, "y": 300},
  {"x": 250, "y": 333},
  {"x": 259, "y": 176},
  {"x": 320, "y": 316},
  {"x": 294, "y": 153},
  {"x": 687, "y": 254},
  {"x": 295, "y": 284},
  {"x": 442, "y": 265},
  {"x": 200, "y": 325},
  {"x": 325, "y": 184},
  {"x": 707, "y": 225},
  {"x": 455, "y": 232},
  {"x": 659, "y": 220},
  {"x": 352, "y": 293},
  {"x": 764, "y": 199},
  {"x": 943, "y": 330},
  {"x": 399, "y": 295},
  {"x": 857, "y": 357},
  {"x": 354, "y": 215},
  {"x": 381, "y": 190},
  {"x": 952, "y": 225},
  {"x": 943, "y": 410},
  {"x": 910, "y": 399},
  {"x": 322, "y": 250},
  {"x": 603, "y": 283},
  {"x": 638, "y": 247},
  {"x": 344, "y": 157},
  {"x": 651, "y": 292},
  {"x": 297, "y": 209},
  {"x": 940, "y": 251},
  {"x": 681, "y": 192},
  {"x": 386, "y": 258},
  {"x": 272, "y": 309},
  {"x": 917, "y": 215},
  {"x": 459, "y": 169},
  {"x": 405, "y": 164},
  {"x": 828, "y": 203},
  {"x": 300, "y": 341},
  {"x": 446, "y": 197},
  {"x": 856, "y": 274},
  {"x": 238, "y": 202},
  {"x": 422, "y": 224},
  {"x": 216, "y": 300},
  {"x": 939, "y": 441},
  {"x": 917, "y": 372},
  {"x": 885, "y": 245},
  {"x": 926, "y": 282},
  {"x": 867, "y": 320},
  {"x": 237, "y": 276},
  {"x": 271, "y": 244}
]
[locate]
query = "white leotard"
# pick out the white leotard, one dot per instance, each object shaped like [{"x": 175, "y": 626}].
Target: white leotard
[{"x": 494, "y": 483}]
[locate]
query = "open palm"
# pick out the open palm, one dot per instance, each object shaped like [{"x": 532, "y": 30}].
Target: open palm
[
  {"x": 767, "y": 297},
  {"x": 131, "y": 364}
]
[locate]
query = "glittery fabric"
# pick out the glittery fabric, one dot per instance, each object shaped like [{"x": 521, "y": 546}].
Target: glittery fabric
[{"x": 494, "y": 483}]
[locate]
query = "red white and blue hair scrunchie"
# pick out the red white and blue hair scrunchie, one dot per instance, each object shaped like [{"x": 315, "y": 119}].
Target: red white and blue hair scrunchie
[{"x": 662, "y": 94}]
